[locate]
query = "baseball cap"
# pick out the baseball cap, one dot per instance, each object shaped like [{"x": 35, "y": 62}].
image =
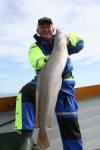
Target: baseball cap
[{"x": 44, "y": 20}]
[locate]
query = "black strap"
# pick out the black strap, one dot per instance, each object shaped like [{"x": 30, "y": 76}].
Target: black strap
[
  {"x": 67, "y": 74},
  {"x": 8, "y": 122}
]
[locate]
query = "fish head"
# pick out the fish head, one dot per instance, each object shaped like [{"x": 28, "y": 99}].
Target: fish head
[{"x": 60, "y": 37}]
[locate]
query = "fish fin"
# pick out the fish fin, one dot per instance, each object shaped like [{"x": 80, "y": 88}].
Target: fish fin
[
  {"x": 37, "y": 96},
  {"x": 49, "y": 121},
  {"x": 53, "y": 102},
  {"x": 37, "y": 111},
  {"x": 43, "y": 140}
]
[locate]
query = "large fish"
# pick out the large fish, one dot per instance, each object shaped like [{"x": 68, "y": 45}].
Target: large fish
[{"x": 48, "y": 85}]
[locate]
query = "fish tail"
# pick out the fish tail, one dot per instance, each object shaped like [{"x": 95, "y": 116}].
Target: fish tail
[{"x": 43, "y": 140}]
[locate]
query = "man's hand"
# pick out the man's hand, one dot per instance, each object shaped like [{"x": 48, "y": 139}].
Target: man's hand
[{"x": 68, "y": 41}]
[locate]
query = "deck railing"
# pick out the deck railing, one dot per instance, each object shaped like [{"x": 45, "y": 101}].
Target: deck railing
[{"x": 82, "y": 93}]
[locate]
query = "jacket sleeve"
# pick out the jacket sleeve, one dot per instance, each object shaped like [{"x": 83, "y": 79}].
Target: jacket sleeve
[
  {"x": 76, "y": 44},
  {"x": 36, "y": 57}
]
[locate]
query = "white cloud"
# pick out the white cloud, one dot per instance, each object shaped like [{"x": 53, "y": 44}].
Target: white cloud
[
  {"x": 20, "y": 22},
  {"x": 13, "y": 51}
]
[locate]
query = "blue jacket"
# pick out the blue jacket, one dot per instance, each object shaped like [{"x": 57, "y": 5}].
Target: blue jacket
[{"x": 41, "y": 49}]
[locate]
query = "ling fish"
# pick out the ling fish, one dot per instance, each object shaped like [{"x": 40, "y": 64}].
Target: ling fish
[{"x": 48, "y": 85}]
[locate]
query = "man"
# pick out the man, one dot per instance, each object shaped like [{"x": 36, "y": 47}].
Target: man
[{"x": 66, "y": 107}]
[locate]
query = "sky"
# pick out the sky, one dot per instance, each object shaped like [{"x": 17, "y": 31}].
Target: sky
[{"x": 18, "y": 23}]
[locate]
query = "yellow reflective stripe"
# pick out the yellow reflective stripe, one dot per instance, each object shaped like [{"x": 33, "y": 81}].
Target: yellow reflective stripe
[
  {"x": 18, "y": 115},
  {"x": 71, "y": 78},
  {"x": 73, "y": 38},
  {"x": 35, "y": 54}
]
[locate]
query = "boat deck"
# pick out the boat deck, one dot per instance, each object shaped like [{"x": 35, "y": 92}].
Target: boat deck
[{"x": 89, "y": 119}]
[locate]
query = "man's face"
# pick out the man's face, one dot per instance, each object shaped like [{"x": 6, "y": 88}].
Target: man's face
[{"x": 45, "y": 31}]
